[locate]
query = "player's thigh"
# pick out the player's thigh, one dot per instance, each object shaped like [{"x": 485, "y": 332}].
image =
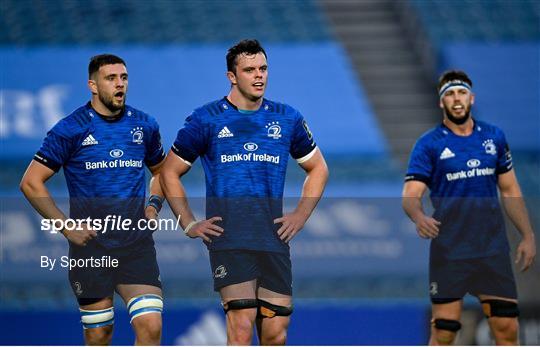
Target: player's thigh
[
  {"x": 90, "y": 284},
  {"x": 275, "y": 280},
  {"x": 129, "y": 291},
  {"x": 449, "y": 280},
  {"x": 233, "y": 270},
  {"x": 238, "y": 291},
  {"x": 100, "y": 304},
  {"x": 449, "y": 310},
  {"x": 495, "y": 278},
  {"x": 275, "y": 296},
  {"x": 137, "y": 265}
]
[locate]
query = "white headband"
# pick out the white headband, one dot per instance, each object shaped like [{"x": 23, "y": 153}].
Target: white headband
[{"x": 454, "y": 84}]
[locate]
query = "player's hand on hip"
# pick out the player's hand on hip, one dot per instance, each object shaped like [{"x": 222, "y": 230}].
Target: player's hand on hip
[
  {"x": 291, "y": 224},
  {"x": 526, "y": 251},
  {"x": 427, "y": 227},
  {"x": 205, "y": 229},
  {"x": 80, "y": 237},
  {"x": 150, "y": 212}
]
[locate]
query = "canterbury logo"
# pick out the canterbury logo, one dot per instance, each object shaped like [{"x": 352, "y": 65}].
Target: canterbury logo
[
  {"x": 225, "y": 132},
  {"x": 89, "y": 140}
]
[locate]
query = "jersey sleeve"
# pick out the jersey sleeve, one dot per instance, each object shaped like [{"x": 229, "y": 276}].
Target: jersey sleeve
[
  {"x": 190, "y": 141},
  {"x": 303, "y": 145},
  {"x": 154, "y": 148},
  {"x": 420, "y": 164},
  {"x": 504, "y": 160},
  {"x": 55, "y": 149}
]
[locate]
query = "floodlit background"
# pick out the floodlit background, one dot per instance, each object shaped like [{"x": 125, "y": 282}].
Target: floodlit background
[{"x": 363, "y": 73}]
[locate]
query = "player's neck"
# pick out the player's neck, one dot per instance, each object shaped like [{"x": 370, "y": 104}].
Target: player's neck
[
  {"x": 464, "y": 129},
  {"x": 103, "y": 111},
  {"x": 243, "y": 103}
]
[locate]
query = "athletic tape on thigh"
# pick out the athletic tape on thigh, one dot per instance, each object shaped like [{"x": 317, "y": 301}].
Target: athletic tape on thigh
[
  {"x": 269, "y": 310},
  {"x": 144, "y": 304},
  {"x": 240, "y": 304},
  {"x": 97, "y": 318},
  {"x": 500, "y": 308}
]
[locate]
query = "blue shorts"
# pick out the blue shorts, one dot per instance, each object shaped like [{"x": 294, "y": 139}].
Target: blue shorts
[
  {"x": 272, "y": 270},
  {"x": 136, "y": 264},
  {"x": 450, "y": 280}
]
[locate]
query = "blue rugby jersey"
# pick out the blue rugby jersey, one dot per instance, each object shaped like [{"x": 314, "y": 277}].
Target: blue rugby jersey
[
  {"x": 244, "y": 156},
  {"x": 103, "y": 160},
  {"x": 461, "y": 173}
]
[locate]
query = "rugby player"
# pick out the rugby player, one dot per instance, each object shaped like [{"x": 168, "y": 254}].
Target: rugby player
[
  {"x": 463, "y": 161},
  {"x": 104, "y": 147},
  {"x": 244, "y": 141}
]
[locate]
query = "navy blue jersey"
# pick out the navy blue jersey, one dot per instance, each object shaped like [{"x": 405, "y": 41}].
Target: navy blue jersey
[
  {"x": 461, "y": 173},
  {"x": 245, "y": 157},
  {"x": 103, "y": 160}
]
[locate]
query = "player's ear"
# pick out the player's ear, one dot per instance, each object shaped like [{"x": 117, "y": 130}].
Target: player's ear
[
  {"x": 441, "y": 105},
  {"x": 472, "y": 98},
  {"x": 92, "y": 86},
  {"x": 232, "y": 77}
]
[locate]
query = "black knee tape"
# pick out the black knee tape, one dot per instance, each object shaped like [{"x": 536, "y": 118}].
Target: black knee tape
[
  {"x": 446, "y": 324},
  {"x": 268, "y": 310},
  {"x": 500, "y": 308},
  {"x": 240, "y": 304}
]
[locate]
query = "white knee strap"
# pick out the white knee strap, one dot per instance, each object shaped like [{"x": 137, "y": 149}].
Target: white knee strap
[
  {"x": 144, "y": 304},
  {"x": 97, "y": 318}
]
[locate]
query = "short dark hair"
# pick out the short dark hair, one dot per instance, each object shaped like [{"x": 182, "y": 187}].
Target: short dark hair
[
  {"x": 249, "y": 46},
  {"x": 98, "y": 61},
  {"x": 451, "y": 75}
]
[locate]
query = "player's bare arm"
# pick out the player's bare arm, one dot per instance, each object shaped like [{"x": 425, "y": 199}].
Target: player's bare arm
[
  {"x": 516, "y": 210},
  {"x": 171, "y": 172},
  {"x": 156, "y": 194},
  {"x": 316, "y": 177},
  {"x": 34, "y": 189},
  {"x": 413, "y": 191}
]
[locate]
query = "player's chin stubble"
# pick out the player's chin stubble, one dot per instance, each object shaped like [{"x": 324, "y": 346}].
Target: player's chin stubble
[
  {"x": 109, "y": 103},
  {"x": 456, "y": 120}
]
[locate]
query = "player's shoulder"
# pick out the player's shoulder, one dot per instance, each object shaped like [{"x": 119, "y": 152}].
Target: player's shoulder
[
  {"x": 139, "y": 116},
  {"x": 433, "y": 136},
  {"x": 212, "y": 109},
  {"x": 76, "y": 123},
  {"x": 280, "y": 108},
  {"x": 488, "y": 129}
]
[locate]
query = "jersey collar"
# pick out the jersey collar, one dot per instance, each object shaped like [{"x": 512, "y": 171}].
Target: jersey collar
[
  {"x": 264, "y": 102},
  {"x": 447, "y": 130},
  {"x": 107, "y": 118}
]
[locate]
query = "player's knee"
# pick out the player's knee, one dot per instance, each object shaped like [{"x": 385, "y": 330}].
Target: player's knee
[
  {"x": 239, "y": 330},
  {"x": 241, "y": 315},
  {"x": 505, "y": 330},
  {"x": 274, "y": 337},
  {"x": 145, "y": 312},
  {"x": 100, "y": 336},
  {"x": 148, "y": 329},
  {"x": 445, "y": 330}
]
